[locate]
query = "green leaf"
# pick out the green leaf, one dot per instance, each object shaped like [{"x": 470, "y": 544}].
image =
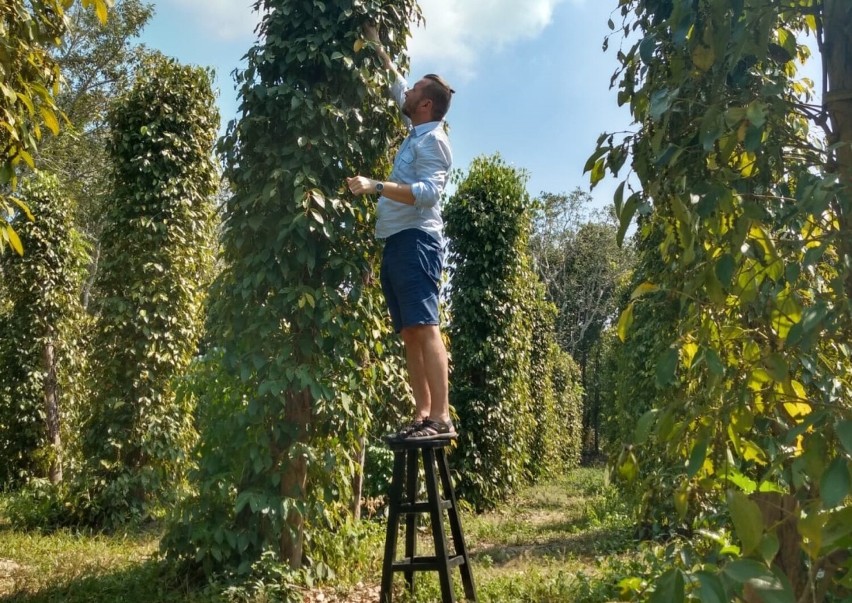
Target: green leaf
[
  {"x": 647, "y": 47},
  {"x": 772, "y": 589},
  {"x": 618, "y": 197},
  {"x": 697, "y": 457},
  {"x": 644, "y": 425},
  {"x": 661, "y": 102},
  {"x": 725, "y": 267},
  {"x": 666, "y": 367},
  {"x": 712, "y": 127},
  {"x": 669, "y": 588},
  {"x": 598, "y": 171},
  {"x": 744, "y": 570},
  {"x": 834, "y": 484},
  {"x": 768, "y": 547},
  {"x": 748, "y": 520},
  {"x": 844, "y": 434},
  {"x": 710, "y": 588},
  {"x": 626, "y": 215}
]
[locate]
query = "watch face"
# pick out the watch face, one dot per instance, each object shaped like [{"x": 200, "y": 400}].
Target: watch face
[{"x": 379, "y": 187}]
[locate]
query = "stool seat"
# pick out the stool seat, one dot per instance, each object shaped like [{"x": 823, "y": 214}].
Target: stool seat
[
  {"x": 394, "y": 442},
  {"x": 407, "y": 454}
]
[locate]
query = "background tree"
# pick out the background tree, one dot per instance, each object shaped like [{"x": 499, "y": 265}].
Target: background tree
[
  {"x": 752, "y": 213},
  {"x": 496, "y": 303},
  {"x": 297, "y": 317},
  {"x": 576, "y": 255},
  {"x": 97, "y": 62},
  {"x": 158, "y": 245},
  {"x": 40, "y": 352},
  {"x": 29, "y": 81}
]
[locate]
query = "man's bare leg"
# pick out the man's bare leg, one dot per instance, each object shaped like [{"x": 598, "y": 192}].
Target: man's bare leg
[
  {"x": 426, "y": 356},
  {"x": 416, "y": 373}
]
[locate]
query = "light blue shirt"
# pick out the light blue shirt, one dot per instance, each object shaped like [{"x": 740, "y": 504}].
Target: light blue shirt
[{"x": 424, "y": 160}]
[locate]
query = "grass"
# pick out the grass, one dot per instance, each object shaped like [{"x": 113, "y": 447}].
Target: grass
[{"x": 553, "y": 542}]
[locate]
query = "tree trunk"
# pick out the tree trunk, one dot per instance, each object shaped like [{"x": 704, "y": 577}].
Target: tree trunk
[
  {"x": 294, "y": 474},
  {"x": 51, "y": 410},
  {"x": 837, "y": 23},
  {"x": 597, "y": 399},
  {"x": 779, "y": 513},
  {"x": 358, "y": 480}
]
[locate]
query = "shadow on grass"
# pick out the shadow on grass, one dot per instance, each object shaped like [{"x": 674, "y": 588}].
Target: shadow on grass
[
  {"x": 589, "y": 543},
  {"x": 149, "y": 581}
]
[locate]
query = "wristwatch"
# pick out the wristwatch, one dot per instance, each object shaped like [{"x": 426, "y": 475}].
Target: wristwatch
[{"x": 380, "y": 186}]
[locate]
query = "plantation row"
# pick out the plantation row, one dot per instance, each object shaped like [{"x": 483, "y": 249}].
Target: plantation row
[
  {"x": 232, "y": 371},
  {"x": 222, "y": 359}
]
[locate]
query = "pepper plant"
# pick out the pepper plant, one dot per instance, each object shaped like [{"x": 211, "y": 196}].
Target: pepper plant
[
  {"x": 501, "y": 337},
  {"x": 41, "y": 352},
  {"x": 296, "y": 318},
  {"x": 157, "y": 249},
  {"x": 745, "y": 182}
]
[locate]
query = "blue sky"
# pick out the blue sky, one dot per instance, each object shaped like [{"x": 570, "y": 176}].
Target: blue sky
[{"x": 531, "y": 80}]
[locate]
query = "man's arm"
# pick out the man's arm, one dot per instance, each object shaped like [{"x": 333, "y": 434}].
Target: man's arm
[
  {"x": 402, "y": 193},
  {"x": 372, "y": 35}
]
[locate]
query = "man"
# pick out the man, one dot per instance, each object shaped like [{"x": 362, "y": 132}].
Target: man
[{"x": 408, "y": 219}]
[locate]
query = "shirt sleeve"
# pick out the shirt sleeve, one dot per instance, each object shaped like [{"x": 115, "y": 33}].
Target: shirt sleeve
[
  {"x": 433, "y": 167},
  {"x": 397, "y": 89}
]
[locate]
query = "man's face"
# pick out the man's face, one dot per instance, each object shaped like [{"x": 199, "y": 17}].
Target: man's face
[{"x": 414, "y": 98}]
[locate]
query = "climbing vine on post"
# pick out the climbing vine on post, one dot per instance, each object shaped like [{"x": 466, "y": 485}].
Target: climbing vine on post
[
  {"x": 495, "y": 303},
  {"x": 157, "y": 248},
  {"x": 752, "y": 210},
  {"x": 41, "y": 356},
  {"x": 296, "y": 315}
]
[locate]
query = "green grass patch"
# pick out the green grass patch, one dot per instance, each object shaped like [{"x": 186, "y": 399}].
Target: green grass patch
[{"x": 559, "y": 541}]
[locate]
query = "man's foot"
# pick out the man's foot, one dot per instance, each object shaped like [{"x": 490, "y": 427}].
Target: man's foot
[
  {"x": 407, "y": 430},
  {"x": 433, "y": 430}
]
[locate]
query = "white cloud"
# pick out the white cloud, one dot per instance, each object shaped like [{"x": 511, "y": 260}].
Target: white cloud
[
  {"x": 224, "y": 19},
  {"x": 457, "y": 32}
]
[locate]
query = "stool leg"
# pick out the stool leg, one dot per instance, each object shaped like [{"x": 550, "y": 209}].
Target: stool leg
[
  {"x": 395, "y": 495},
  {"x": 455, "y": 526},
  {"x": 441, "y": 553},
  {"x": 411, "y": 475}
]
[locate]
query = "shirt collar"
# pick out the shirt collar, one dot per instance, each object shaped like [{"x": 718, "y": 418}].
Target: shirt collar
[{"x": 423, "y": 128}]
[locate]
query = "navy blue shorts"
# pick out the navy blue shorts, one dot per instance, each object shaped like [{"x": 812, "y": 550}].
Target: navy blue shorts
[{"x": 411, "y": 275}]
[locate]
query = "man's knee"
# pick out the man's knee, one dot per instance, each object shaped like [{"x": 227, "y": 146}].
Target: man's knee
[{"x": 416, "y": 334}]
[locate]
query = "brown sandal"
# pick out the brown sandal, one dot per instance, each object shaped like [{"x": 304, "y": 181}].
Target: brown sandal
[
  {"x": 407, "y": 430},
  {"x": 433, "y": 430}
]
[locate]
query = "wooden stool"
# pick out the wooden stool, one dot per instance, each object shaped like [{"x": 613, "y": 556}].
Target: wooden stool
[{"x": 406, "y": 471}]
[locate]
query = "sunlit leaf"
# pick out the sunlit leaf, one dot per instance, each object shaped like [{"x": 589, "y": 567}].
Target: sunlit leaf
[
  {"x": 624, "y": 322},
  {"x": 50, "y": 120},
  {"x": 644, "y": 289},
  {"x": 12, "y": 237}
]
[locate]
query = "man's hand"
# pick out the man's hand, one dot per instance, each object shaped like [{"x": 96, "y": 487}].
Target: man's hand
[
  {"x": 371, "y": 34},
  {"x": 359, "y": 185}
]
